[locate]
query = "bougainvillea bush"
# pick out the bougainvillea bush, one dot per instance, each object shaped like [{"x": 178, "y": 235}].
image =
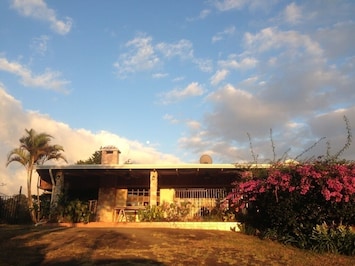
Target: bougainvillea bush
[
  {"x": 309, "y": 204},
  {"x": 287, "y": 201}
]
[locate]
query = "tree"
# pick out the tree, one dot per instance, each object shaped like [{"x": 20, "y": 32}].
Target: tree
[
  {"x": 94, "y": 159},
  {"x": 34, "y": 150}
]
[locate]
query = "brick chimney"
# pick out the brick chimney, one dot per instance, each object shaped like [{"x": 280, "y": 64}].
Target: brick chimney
[{"x": 110, "y": 155}]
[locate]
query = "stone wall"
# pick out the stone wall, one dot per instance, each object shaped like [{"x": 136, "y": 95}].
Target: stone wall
[{"x": 109, "y": 198}]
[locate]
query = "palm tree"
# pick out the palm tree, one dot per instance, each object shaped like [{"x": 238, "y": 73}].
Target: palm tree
[{"x": 34, "y": 150}]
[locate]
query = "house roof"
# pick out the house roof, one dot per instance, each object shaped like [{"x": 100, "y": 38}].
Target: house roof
[
  {"x": 138, "y": 175},
  {"x": 152, "y": 166}
]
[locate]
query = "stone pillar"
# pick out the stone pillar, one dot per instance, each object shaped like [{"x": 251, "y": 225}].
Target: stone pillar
[
  {"x": 106, "y": 204},
  {"x": 153, "y": 188},
  {"x": 57, "y": 188},
  {"x": 107, "y": 199}
]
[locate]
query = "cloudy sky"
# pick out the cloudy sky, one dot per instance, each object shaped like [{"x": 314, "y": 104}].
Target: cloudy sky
[{"x": 166, "y": 81}]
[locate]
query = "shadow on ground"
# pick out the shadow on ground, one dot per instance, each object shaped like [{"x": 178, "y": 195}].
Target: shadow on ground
[
  {"x": 29, "y": 245},
  {"x": 16, "y": 248},
  {"x": 113, "y": 262}
]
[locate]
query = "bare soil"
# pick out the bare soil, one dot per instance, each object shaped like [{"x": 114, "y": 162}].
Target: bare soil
[{"x": 29, "y": 245}]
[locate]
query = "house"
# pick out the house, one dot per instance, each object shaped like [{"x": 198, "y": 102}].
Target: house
[{"x": 112, "y": 186}]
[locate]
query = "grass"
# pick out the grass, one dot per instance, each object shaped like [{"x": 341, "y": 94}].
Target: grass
[{"x": 29, "y": 245}]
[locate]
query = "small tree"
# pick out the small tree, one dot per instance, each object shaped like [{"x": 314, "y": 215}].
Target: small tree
[
  {"x": 34, "y": 149},
  {"x": 94, "y": 159}
]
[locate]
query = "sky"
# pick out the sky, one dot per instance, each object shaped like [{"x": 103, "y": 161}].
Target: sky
[{"x": 168, "y": 81}]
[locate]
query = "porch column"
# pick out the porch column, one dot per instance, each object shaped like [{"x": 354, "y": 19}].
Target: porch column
[
  {"x": 57, "y": 188},
  {"x": 106, "y": 202},
  {"x": 153, "y": 188}
]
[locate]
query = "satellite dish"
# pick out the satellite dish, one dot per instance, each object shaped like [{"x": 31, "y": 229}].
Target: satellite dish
[{"x": 206, "y": 159}]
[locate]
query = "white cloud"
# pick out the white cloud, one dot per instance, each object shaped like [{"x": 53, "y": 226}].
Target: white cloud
[
  {"x": 193, "y": 89},
  {"x": 237, "y": 112},
  {"x": 296, "y": 76},
  {"x": 236, "y": 107},
  {"x": 205, "y": 65},
  {"x": 299, "y": 78},
  {"x": 48, "y": 80},
  {"x": 237, "y": 62},
  {"x": 145, "y": 56},
  {"x": 219, "y": 76},
  {"x": 177, "y": 79},
  {"x": 160, "y": 75},
  {"x": 273, "y": 39},
  {"x": 203, "y": 14},
  {"x": 38, "y": 9},
  {"x": 193, "y": 124},
  {"x": 225, "y": 5},
  {"x": 338, "y": 39},
  {"x": 39, "y": 44},
  {"x": 221, "y": 35},
  {"x": 79, "y": 144},
  {"x": 182, "y": 49},
  {"x": 141, "y": 57},
  {"x": 331, "y": 125},
  {"x": 170, "y": 118},
  {"x": 293, "y": 13}
]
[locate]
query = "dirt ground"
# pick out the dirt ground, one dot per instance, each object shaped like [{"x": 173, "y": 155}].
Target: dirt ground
[{"x": 45, "y": 245}]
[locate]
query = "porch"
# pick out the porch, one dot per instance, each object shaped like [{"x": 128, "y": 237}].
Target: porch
[{"x": 113, "y": 186}]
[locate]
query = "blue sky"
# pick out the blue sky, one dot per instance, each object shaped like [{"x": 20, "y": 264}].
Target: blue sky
[{"x": 166, "y": 81}]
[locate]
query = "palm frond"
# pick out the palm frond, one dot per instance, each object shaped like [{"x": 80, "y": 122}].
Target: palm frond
[{"x": 18, "y": 155}]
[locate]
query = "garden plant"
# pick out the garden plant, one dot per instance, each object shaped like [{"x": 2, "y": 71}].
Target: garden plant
[{"x": 309, "y": 204}]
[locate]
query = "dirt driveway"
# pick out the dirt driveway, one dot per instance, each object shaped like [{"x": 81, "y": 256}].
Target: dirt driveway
[{"x": 142, "y": 246}]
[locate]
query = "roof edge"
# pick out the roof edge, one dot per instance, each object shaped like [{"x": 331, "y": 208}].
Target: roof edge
[{"x": 153, "y": 166}]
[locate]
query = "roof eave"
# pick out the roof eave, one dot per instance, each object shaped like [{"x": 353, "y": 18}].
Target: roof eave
[{"x": 152, "y": 166}]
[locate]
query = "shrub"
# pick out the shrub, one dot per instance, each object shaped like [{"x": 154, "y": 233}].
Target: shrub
[
  {"x": 151, "y": 214},
  {"x": 219, "y": 213},
  {"x": 292, "y": 199},
  {"x": 335, "y": 239},
  {"x": 166, "y": 212},
  {"x": 293, "y": 202},
  {"x": 74, "y": 211}
]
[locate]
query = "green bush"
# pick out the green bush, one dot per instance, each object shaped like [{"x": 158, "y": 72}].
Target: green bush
[
  {"x": 171, "y": 212},
  {"x": 151, "y": 214},
  {"x": 75, "y": 211},
  {"x": 219, "y": 213},
  {"x": 335, "y": 239}
]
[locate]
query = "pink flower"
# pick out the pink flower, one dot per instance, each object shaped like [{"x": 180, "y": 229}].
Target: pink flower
[
  {"x": 291, "y": 188},
  {"x": 335, "y": 181},
  {"x": 346, "y": 198},
  {"x": 326, "y": 193},
  {"x": 262, "y": 189},
  {"x": 335, "y": 184}
]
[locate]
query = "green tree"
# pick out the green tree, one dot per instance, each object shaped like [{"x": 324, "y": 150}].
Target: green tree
[
  {"x": 94, "y": 159},
  {"x": 34, "y": 149}
]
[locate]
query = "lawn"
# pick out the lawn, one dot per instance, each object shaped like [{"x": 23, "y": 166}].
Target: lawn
[{"x": 44, "y": 245}]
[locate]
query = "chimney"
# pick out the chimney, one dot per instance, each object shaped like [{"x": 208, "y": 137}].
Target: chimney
[{"x": 110, "y": 155}]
